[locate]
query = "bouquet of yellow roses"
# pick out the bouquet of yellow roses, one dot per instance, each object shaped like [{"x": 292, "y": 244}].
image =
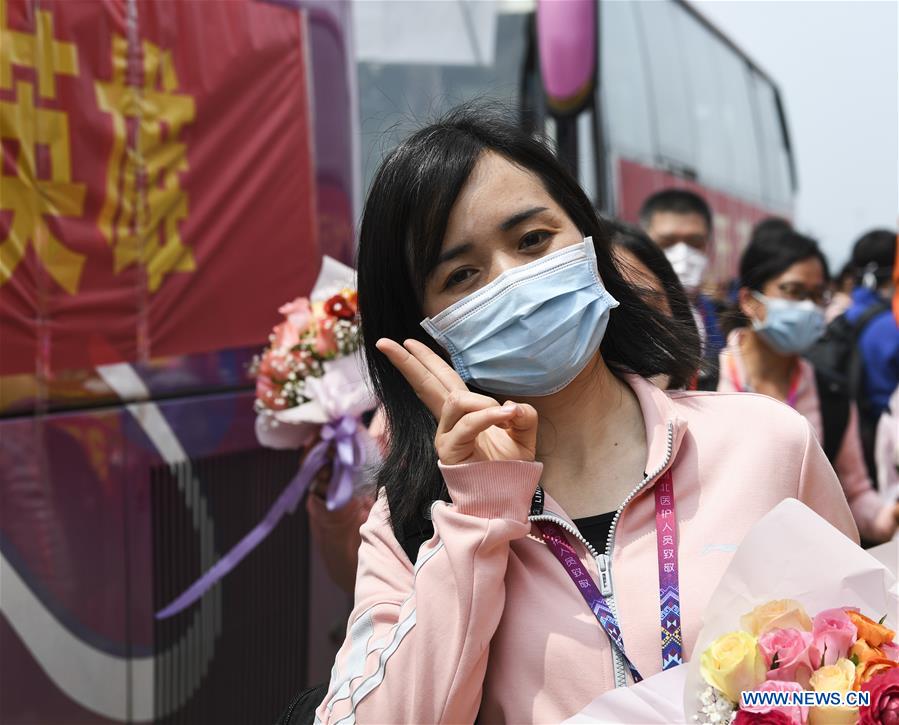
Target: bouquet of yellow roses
[
  {"x": 835, "y": 657},
  {"x": 837, "y": 667},
  {"x": 761, "y": 658}
]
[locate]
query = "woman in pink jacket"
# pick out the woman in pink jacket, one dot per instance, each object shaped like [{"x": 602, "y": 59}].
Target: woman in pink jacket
[
  {"x": 782, "y": 299},
  {"x": 574, "y": 518}
]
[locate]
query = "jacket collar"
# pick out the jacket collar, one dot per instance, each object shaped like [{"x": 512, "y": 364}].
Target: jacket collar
[{"x": 659, "y": 414}]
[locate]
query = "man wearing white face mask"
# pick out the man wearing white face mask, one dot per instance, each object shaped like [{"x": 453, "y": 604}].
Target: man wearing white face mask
[
  {"x": 680, "y": 222},
  {"x": 782, "y": 298}
]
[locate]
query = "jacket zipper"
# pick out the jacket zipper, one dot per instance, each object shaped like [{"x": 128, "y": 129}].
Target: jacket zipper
[{"x": 604, "y": 560}]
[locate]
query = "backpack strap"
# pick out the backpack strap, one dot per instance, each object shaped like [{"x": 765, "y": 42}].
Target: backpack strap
[
  {"x": 834, "y": 400},
  {"x": 868, "y": 315},
  {"x": 301, "y": 710}
]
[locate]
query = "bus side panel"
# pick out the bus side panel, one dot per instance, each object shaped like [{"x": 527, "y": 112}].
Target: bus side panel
[
  {"x": 132, "y": 507},
  {"x": 239, "y": 654},
  {"x": 64, "y": 629}
]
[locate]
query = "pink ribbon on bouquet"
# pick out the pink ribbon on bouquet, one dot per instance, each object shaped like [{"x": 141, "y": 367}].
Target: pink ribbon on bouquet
[{"x": 345, "y": 436}]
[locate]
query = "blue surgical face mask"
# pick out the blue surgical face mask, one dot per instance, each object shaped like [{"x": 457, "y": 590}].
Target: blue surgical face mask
[
  {"x": 533, "y": 329},
  {"x": 790, "y": 327}
]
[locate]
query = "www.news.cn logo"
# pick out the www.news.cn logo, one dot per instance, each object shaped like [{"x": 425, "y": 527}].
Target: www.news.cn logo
[{"x": 804, "y": 698}]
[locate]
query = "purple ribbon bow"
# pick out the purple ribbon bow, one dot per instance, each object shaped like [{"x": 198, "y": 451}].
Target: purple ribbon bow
[{"x": 345, "y": 436}]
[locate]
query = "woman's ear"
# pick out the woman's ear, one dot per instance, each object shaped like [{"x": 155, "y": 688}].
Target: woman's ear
[{"x": 750, "y": 306}]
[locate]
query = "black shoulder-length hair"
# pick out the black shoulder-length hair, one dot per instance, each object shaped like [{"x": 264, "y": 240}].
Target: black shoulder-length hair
[
  {"x": 403, "y": 225},
  {"x": 649, "y": 253},
  {"x": 773, "y": 248}
]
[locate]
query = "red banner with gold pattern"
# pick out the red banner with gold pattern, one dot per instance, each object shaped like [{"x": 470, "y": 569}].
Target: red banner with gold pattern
[{"x": 157, "y": 189}]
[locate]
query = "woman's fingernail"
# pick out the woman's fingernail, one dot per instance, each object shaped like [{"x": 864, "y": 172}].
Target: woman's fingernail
[{"x": 510, "y": 407}]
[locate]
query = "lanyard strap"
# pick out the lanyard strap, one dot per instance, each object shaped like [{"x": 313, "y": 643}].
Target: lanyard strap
[
  {"x": 669, "y": 583},
  {"x": 669, "y": 588},
  {"x": 554, "y": 536}
]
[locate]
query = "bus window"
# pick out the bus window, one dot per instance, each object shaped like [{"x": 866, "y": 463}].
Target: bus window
[
  {"x": 670, "y": 92},
  {"x": 714, "y": 161},
  {"x": 737, "y": 114},
  {"x": 551, "y": 134},
  {"x": 625, "y": 100},
  {"x": 418, "y": 60},
  {"x": 586, "y": 152},
  {"x": 778, "y": 184}
]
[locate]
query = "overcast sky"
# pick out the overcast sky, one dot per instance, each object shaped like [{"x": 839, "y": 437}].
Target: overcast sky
[{"x": 836, "y": 64}]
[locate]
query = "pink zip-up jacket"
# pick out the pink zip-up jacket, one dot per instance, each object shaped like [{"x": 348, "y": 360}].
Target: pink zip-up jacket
[
  {"x": 873, "y": 516},
  {"x": 488, "y": 623}
]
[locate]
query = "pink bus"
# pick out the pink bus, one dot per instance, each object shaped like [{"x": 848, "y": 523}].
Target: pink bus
[{"x": 637, "y": 96}]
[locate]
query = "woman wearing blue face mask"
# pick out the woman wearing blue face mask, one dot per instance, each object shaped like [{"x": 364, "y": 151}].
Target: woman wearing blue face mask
[
  {"x": 781, "y": 315},
  {"x": 543, "y": 508}
]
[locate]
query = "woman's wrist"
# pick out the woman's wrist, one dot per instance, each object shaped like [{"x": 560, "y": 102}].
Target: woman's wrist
[{"x": 492, "y": 489}]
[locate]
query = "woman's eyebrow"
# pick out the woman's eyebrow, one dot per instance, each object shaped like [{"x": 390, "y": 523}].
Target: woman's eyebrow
[
  {"x": 521, "y": 216},
  {"x": 801, "y": 283},
  {"x": 447, "y": 254}
]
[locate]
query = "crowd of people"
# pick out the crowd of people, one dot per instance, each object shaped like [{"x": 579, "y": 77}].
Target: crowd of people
[
  {"x": 828, "y": 348},
  {"x": 567, "y": 368}
]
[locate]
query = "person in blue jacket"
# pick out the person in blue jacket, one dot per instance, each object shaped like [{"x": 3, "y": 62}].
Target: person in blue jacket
[{"x": 873, "y": 256}]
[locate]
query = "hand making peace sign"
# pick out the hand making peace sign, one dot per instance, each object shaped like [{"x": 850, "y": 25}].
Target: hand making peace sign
[{"x": 471, "y": 427}]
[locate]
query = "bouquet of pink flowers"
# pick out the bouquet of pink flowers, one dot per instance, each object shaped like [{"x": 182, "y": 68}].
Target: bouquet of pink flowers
[
  {"x": 311, "y": 334},
  {"x": 311, "y": 392},
  {"x": 837, "y": 667},
  {"x": 781, "y": 649},
  {"x": 312, "y": 373},
  {"x": 311, "y": 387}
]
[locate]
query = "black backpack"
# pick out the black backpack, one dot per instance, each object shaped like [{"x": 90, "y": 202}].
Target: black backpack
[
  {"x": 839, "y": 373},
  {"x": 301, "y": 710}
]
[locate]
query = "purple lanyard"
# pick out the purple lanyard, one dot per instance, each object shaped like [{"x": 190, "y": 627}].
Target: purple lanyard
[{"x": 669, "y": 591}]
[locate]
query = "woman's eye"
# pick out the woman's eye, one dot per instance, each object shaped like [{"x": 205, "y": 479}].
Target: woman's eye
[
  {"x": 533, "y": 239},
  {"x": 458, "y": 277}
]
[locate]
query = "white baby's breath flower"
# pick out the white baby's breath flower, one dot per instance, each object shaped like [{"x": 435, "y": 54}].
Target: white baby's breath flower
[{"x": 716, "y": 709}]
